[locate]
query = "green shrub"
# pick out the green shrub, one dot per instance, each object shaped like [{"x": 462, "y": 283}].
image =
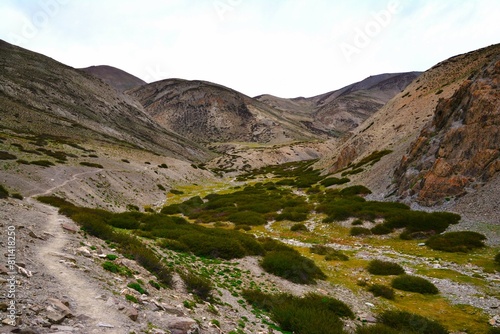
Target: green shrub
[
  {"x": 357, "y": 222},
  {"x": 111, "y": 257},
  {"x": 43, "y": 163},
  {"x": 7, "y": 156},
  {"x": 377, "y": 329},
  {"x": 335, "y": 255},
  {"x": 137, "y": 287},
  {"x": 154, "y": 284},
  {"x": 132, "y": 207},
  {"x": 355, "y": 190},
  {"x": 464, "y": 241},
  {"x": 494, "y": 330},
  {"x": 110, "y": 266},
  {"x": 3, "y": 192},
  {"x": 413, "y": 323},
  {"x": 161, "y": 187},
  {"x": 356, "y": 230},
  {"x": 125, "y": 161},
  {"x": 131, "y": 298},
  {"x": 90, "y": 164},
  {"x": 292, "y": 266},
  {"x": 312, "y": 314},
  {"x": 378, "y": 267},
  {"x": 414, "y": 284},
  {"x": 247, "y": 218},
  {"x": 333, "y": 180},
  {"x": 197, "y": 285},
  {"x": 497, "y": 259},
  {"x": 17, "y": 196},
  {"x": 299, "y": 227},
  {"x": 319, "y": 249},
  {"x": 380, "y": 229},
  {"x": 176, "y": 192},
  {"x": 380, "y": 290}
]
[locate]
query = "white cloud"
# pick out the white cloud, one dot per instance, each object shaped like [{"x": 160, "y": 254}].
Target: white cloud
[{"x": 287, "y": 48}]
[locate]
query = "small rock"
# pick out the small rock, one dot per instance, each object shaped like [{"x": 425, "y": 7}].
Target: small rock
[
  {"x": 105, "y": 325},
  {"x": 69, "y": 227},
  {"x": 33, "y": 235},
  {"x": 83, "y": 251},
  {"x": 26, "y": 330},
  {"x": 369, "y": 304},
  {"x": 63, "y": 328},
  {"x": 132, "y": 313}
]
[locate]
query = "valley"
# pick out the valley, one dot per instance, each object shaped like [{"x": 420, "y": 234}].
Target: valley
[{"x": 187, "y": 207}]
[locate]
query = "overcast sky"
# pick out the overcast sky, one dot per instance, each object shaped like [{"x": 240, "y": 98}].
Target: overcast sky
[{"x": 286, "y": 48}]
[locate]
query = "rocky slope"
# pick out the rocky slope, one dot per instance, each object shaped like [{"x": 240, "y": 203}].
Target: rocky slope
[
  {"x": 41, "y": 96},
  {"x": 114, "y": 77},
  {"x": 438, "y": 94},
  {"x": 344, "y": 109},
  {"x": 207, "y": 113},
  {"x": 460, "y": 147}
]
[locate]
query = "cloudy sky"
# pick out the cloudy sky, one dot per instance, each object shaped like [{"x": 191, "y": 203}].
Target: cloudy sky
[{"x": 286, "y": 48}]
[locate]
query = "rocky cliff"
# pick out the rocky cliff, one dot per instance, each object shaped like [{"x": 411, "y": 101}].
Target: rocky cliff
[{"x": 460, "y": 147}]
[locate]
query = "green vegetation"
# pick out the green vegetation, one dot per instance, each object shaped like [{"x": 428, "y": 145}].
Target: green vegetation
[
  {"x": 90, "y": 164},
  {"x": 176, "y": 192},
  {"x": 7, "y": 156},
  {"x": 378, "y": 267},
  {"x": 96, "y": 223},
  {"x": 406, "y": 322},
  {"x": 161, "y": 187},
  {"x": 414, "y": 284},
  {"x": 463, "y": 241},
  {"x": 131, "y": 298},
  {"x": 292, "y": 266},
  {"x": 330, "y": 253},
  {"x": 3, "y": 192},
  {"x": 356, "y": 231},
  {"x": 377, "y": 329},
  {"x": 299, "y": 227},
  {"x": 497, "y": 259},
  {"x": 137, "y": 287},
  {"x": 43, "y": 163},
  {"x": 197, "y": 285},
  {"x": 311, "y": 314},
  {"x": 330, "y": 181},
  {"x": 383, "y": 291},
  {"x": 17, "y": 196}
]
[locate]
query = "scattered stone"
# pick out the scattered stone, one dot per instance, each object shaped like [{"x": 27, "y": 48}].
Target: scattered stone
[
  {"x": 26, "y": 330},
  {"x": 83, "y": 251},
  {"x": 64, "y": 256},
  {"x": 63, "y": 328},
  {"x": 33, "y": 235},
  {"x": 182, "y": 325},
  {"x": 3, "y": 307},
  {"x": 105, "y": 325},
  {"x": 24, "y": 272},
  {"x": 132, "y": 313},
  {"x": 69, "y": 227},
  {"x": 369, "y": 304}
]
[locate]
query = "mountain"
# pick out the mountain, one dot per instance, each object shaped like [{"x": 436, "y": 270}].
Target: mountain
[
  {"x": 206, "y": 113},
  {"x": 442, "y": 132},
  {"x": 459, "y": 149},
  {"x": 41, "y": 96},
  {"x": 114, "y": 77},
  {"x": 343, "y": 110}
]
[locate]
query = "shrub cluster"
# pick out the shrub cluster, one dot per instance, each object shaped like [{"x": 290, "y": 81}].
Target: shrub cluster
[
  {"x": 380, "y": 290},
  {"x": 497, "y": 259},
  {"x": 90, "y": 164},
  {"x": 197, "y": 285},
  {"x": 409, "y": 322},
  {"x": 414, "y": 284},
  {"x": 330, "y": 253},
  {"x": 4, "y": 193},
  {"x": 292, "y": 266},
  {"x": 311, "y": 314},
  {"x": 463, "y": 241},
  {"x": 378, "y": 267}
]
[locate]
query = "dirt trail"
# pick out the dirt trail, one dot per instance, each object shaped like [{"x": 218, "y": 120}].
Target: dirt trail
[{"x": 81, "y": 291}]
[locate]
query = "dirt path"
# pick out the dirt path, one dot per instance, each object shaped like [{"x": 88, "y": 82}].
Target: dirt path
[{"x": 79, "y": 288}]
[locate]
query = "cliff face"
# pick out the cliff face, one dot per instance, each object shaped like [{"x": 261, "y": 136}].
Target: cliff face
[{"x": 460, "y": 147}]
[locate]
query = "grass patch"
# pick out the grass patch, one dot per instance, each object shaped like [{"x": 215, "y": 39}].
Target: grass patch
[
  {"x": 43, "y": 163},
  {"x": 414, "y": 284},
  {"x": 7, "y": 156},
  {"x": 457, "y": 242},
  {"x": 197, "y": 285}
]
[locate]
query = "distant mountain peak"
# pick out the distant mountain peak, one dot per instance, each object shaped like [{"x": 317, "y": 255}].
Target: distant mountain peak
[{"x": 114, "y": 77}]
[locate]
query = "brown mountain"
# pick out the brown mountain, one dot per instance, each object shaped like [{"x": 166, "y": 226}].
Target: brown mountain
[
  {"x": 41, "y": 96},
  {"x": 343, "y": 110},
  {"x": 114, "y": 77},
  {"x": 206, "y": 112},
  {"x": 460, "y": 147},
  {"x": 442, "y": 131}
]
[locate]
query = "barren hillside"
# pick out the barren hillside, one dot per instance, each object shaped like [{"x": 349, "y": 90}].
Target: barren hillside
[{"x": 114, "y": 77}]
